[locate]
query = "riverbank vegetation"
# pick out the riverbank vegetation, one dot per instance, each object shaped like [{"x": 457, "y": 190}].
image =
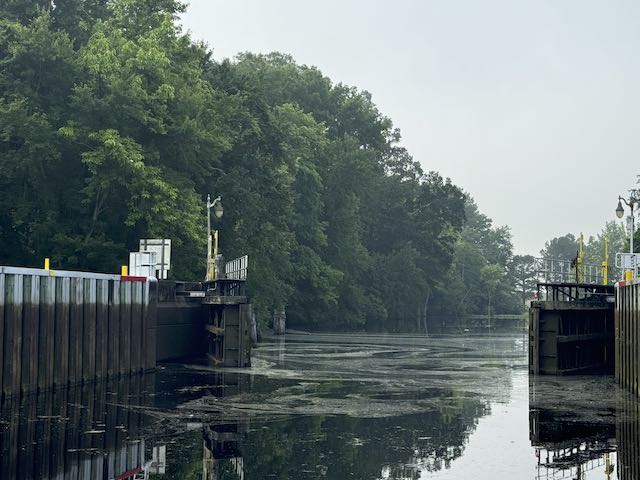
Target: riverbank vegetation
[{"x": 115, "y": 124}]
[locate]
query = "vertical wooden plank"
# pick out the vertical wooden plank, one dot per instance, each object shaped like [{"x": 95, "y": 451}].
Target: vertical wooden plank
[
  {"x": 535, "y": 319},
  {"x": 636, "y": 340},
  {"x": 75, "y": 331},
  {"x": 627, "y": 356},
  {"x": 634, "y": 313},
  {"x": 13, "y": 334},
  {"x": 627, "y": 362},
  {"x": 630, "y": 331},
  {"x": 46, "y": 359},
  {"x": 30, "y": 333},
  {"x": 61, "y": 331},
  {"x": 628, "y": 335},
  {"x": 144, "y": 312},
  {"x": 151, "y": 318},
  {"x": 102, "y": 327},
  {"x": 136, "y": 326},
  {"x": 89, "y": 330},
  {"x": 125, "y": 328},
  {"x": 113, "y": 336},
  {"x": 621, "y": 331},
  {"x": 616, "y": 328},
  {"x": 623, "y": 337},
  {"x": 2, "y": 351}
]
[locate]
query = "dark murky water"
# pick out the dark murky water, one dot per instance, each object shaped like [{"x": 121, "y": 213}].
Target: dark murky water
[{"x": 335, "y": 407}]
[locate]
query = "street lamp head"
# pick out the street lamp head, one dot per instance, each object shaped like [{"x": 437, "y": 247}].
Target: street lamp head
[
  {"x": 619, "y": 210},
  {"x": 218, "y": 210}
]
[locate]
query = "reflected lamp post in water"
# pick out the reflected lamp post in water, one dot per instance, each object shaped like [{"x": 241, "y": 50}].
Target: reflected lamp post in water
[{"x": 218, "y": 211}]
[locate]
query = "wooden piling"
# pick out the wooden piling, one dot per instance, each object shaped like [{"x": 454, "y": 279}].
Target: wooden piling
[
  {"x": 76, "y": 311},
  {"x": 102, "y": 327},
  {"x": 149, "y": 315},
  {"x": 89, "y": 330},
  {"x": 136, "y": 327},
  {"x": 12, "y": 365},
  {"x": 30, "y": 325},
  {"x": 113, "y": 340},
  {"x": 2, "y": 302},
  {"x": 125, "y": 328},
  {"x": 46, "y": 331}
]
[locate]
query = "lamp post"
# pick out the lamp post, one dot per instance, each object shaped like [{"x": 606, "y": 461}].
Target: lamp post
[
  {"x": 218, "y": 211},
  {"x": 630, "y": 219}
]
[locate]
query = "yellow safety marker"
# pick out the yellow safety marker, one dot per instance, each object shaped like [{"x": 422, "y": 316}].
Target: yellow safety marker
[
  {"x": 124, "y": 270},
  {"x": 46, "y": 264},
  {"x": 605, "y": 263},
  {"x": 580, "y": 260}
]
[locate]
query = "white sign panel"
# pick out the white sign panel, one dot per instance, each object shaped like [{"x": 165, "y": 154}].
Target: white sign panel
[
  {"x": 627, "y": 261},
  {"x": 162, "y": 249},
  {"x": 142, "y": 264}
]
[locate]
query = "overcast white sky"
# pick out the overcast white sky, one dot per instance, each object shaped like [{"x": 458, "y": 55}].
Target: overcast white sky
[{"x": 532, "y": 106}]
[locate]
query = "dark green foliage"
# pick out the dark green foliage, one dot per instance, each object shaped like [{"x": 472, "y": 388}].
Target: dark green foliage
[
  {"x": 482, "y": 276},
  {"x": 114, "y": 126},
  {"x": 561, "y": 248}
]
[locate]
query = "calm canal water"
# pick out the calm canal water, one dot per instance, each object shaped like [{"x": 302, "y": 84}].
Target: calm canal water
[{"x": 336, "y": 407}]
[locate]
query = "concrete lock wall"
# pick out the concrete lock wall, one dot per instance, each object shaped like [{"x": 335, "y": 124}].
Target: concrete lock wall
[
  {"x": 181, "y": 320},
  {"x": 61, "y": 328}
]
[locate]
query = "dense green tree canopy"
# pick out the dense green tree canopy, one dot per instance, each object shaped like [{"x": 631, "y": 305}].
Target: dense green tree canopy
[{"x": 115, "y": 125}]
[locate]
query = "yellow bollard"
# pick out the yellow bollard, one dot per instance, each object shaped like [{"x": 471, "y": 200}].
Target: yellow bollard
[
  {"x": 124, "y": 270},
  {"x": 46, "y": 264}
]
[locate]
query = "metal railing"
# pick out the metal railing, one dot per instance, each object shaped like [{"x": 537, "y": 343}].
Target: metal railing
[
  {"x": 551, "y": 270},
  {"x": 237, "y": 269}
]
